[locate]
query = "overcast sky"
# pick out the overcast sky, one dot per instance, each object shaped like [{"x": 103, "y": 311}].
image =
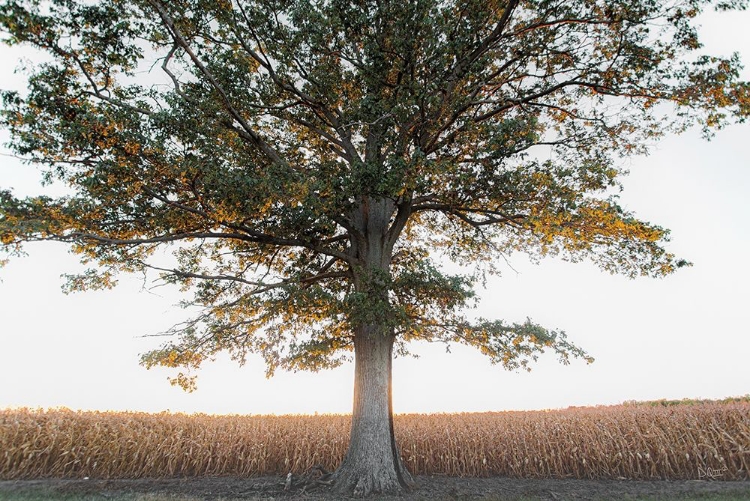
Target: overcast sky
[{"x": 687, "y": 335}]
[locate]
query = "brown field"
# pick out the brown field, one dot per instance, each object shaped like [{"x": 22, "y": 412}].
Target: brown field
[{"x": 690, "y": 441}]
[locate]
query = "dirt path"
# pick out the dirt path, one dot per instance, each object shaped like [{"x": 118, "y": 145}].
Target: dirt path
[{"x": 430, "y": 488}]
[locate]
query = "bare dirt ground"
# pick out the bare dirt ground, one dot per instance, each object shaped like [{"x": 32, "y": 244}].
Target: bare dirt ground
[{"x": 429, "y": 488}]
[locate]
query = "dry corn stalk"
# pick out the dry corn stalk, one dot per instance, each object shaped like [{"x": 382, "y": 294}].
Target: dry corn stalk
[{"x": 705, "y": 440}]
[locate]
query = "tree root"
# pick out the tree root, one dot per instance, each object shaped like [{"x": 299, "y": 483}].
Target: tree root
[{"x": 316, "y": 476}]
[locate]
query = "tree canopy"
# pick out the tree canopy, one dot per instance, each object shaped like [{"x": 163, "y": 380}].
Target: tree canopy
[{"x": 310, "y": 162}]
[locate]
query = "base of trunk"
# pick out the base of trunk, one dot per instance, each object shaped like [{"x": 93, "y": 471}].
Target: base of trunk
[
  {"x": 372, "y": 463},
  {"x": 369, "y": 475}
]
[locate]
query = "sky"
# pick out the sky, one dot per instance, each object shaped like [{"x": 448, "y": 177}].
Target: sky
[{"x": 683, "y": 336}]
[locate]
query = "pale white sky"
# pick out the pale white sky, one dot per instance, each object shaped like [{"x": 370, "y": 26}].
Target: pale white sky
[{"x": 684, "y": 336}]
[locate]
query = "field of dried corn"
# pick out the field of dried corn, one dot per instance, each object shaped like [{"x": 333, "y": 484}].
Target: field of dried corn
[{"x": 703, "y": 440}]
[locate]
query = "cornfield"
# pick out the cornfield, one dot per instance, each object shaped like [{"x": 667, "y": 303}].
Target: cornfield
[{"x": 706, "y": 440}]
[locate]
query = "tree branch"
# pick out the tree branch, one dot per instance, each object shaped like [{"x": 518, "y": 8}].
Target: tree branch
[
  {"x": 177, "y": 36},
  {"x": 493, "y": 216},
  {"x": 462, "y": 64},
  {"x": 317, "y": 106}
]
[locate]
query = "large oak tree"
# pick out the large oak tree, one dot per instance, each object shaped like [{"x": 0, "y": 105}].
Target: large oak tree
[{"x": 308, "y": 162}]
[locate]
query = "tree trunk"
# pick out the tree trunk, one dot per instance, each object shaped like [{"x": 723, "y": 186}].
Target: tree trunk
[{"x": 372, "y": 463}]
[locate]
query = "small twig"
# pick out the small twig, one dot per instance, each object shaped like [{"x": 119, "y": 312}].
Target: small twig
[{"x": 288, "y": 483}]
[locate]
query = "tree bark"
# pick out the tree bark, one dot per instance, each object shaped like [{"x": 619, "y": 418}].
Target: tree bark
[{"x": 372, "y": 463}]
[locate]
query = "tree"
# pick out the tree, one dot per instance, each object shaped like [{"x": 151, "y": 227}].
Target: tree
[{"x": 309, "y": 162}]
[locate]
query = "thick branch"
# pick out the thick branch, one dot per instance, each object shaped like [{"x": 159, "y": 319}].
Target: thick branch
[
  {"x": 250, "y": 234},
  {"x": 261, "y": 287},
  {"x": 172, "y": 237},
  {"x": 272, "y": 154},
  {"x": 330, "y": 116},
  {"x": 462, "y": 64},
  {"x": 405, "y": 209},
  {"x": 492, "y": 216}
]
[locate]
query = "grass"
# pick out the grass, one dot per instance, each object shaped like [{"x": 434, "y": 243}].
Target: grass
[
  {"x": 49, "y": 495},
  {"x": 680, "y": 497},
  {"x": 41, "y": 493}
]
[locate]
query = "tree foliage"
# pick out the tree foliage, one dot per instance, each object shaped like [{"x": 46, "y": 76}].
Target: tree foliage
[{"x": 309, "y": 161}]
